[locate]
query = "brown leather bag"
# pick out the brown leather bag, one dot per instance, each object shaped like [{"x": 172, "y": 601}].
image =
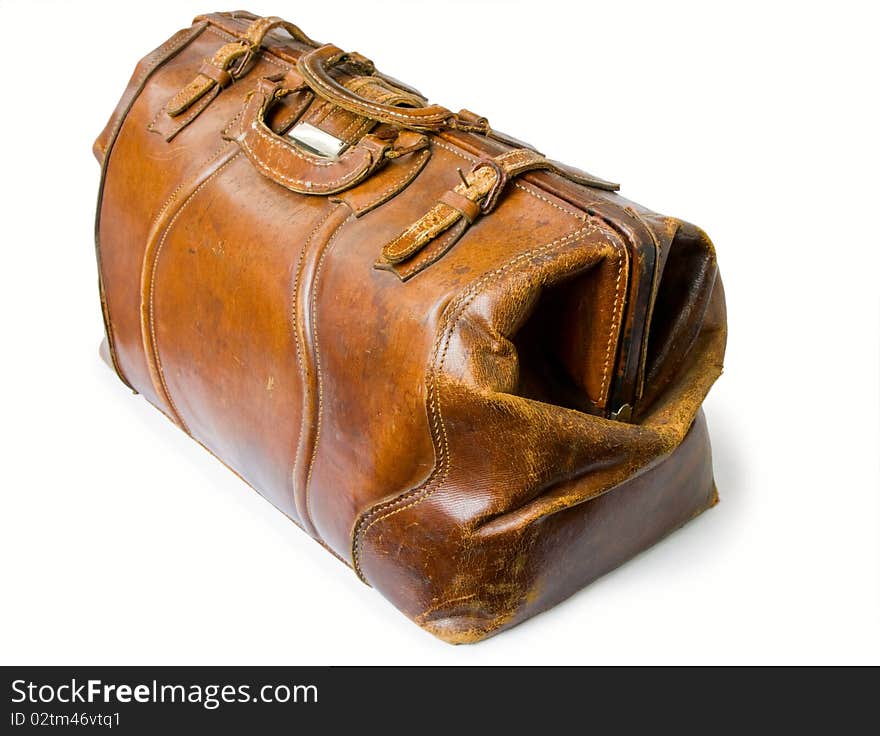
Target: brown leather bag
[{"x": 472, "y": 373}]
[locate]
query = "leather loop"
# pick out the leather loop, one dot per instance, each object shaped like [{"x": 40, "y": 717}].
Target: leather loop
[
  {"x": 256, "y": 32},
  {"x": 469, "y": 210},
  {"x": 288, "y": 165},
  {"x": 223, "y": 60},
  {"x": 478, "y": 193},
  {"x": 231, "y": 61},
  {"x": 222, "y": 77},
  {"x": 314, "y": 65}
]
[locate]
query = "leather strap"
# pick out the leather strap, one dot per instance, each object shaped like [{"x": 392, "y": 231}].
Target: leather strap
[
  {"x": 231, "y": 61},
  {"x": 285, "y": 163},
  {"x": 314, "y": 67},
  {"x": 477, "y": 194},
  {"x": 256, "y": 32},
  {"x": 220, "y": 63},
  {"x": 469, "y": 209},
  {"x": 220, "y": 76}
]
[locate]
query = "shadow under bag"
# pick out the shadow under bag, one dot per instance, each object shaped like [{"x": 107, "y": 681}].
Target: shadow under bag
[{"x": 472, "y": 373}]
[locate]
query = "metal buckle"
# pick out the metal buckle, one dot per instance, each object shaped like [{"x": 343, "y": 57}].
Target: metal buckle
[
  {"x": 240, "y": 67},
  {"x": 623, "y": 414}
]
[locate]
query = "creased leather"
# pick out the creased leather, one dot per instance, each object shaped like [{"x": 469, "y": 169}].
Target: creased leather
[{"x": 502, "y": 411}]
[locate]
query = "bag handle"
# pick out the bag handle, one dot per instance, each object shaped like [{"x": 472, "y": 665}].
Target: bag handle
[
  {"x": 298, "y": 170},
  {"x": 313, "y": 66},
  {"x": 256, "y": 32},
  {"x": 231, "y": 62}
]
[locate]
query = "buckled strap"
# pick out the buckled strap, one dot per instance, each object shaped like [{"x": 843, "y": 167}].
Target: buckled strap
[
  {"x": 220, "y": 76},
  {"x": 288, "y": 164},
  {"x": 256, "y": 32},
  {"x": 478, "y": 193},
  {"x": 221, "y": 61},
  {"x": 231, "y": 61},
  {"x": 469, "y": 209}
]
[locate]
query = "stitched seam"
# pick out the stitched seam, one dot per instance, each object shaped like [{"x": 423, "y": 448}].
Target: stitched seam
[
  {"x": 320, "y": 380},
  {"x": 357, "y": 122},
  {"x": 382, "y": 111},
  {"x": 171, "y": 197},
  {"x": 426, "y": 257},
  {"x": 196, "y": 109},
  {"x": 156, "y": 59},
  {"x": 614, "y": 316},
  {"x": 225, "y": 133},
  {"x": 399, "y": 184},
  {"x": 324, "y": 113},
  {"x": 454, "y": 151},
  {"x": 152, "y": 123},
  {"x": 441, "y": 468},
  {"x": 366, "y": 124},
  {"x": 583, "y": 218},
  {"x": 192, "y": 113},
  {"x": 312, "y": 160},
  {"x": 316, "y": 110},
  {"x": 263, "y": 53},
  {"x": 300, "y": 350},
  {"x": 153, "y": 339},
  {"x": 518, "y": 185},
  {"x": 296, "y": 114},
  {"x": 316, "y": 188},
  {"x": 579, "y": 216}
]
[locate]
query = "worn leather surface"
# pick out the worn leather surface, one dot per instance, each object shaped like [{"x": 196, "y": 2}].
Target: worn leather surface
[{"x": 473, "y": 374}]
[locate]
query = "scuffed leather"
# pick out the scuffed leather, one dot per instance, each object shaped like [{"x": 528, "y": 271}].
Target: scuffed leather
[{"x": 481, "y": 426}]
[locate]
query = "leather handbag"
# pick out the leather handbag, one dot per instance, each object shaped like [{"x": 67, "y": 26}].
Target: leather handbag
[{"x": 472, "y": 373}]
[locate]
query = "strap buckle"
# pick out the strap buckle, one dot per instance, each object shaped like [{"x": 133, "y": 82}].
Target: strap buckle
[{"x": 241, "y": 65}]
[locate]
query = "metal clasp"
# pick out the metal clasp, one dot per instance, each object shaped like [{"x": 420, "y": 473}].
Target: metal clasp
[{"x": 317, "y": 141}]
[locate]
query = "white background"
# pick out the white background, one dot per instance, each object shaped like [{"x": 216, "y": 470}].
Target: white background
[{"x": 124, "y": 542}]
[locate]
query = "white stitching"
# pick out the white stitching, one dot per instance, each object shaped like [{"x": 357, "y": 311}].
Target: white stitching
[
  {"x": 416, "y": 496},
  {"x": 375, "y": 515},
  {"x": 580, "y": 216},
  {"x": 421, "y": 159},
  {"x": 154, "y": 268},
  {"x": 583, "y": 218},
  {"x": 433, "y": 252},
  {"x": 171, "y": 197},
  {"x": 518, "y": 185},
  {"x": 152, "y": 62},
  {"x": 266, "y": 136},
  {"x": 263, "y": 53},
  {"x": 614, "y": 316},
  {"x": 311, "y": 187},
  {"x": 300, "y": 353},
  {"x": 381, "y": 110},
  {"x": 460, "y": 154},
  {"x": 315, "y": 339},
  {"x": 355, "y": 120}
]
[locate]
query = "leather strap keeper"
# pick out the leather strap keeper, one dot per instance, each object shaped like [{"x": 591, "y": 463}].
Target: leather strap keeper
[
  {"x": 220, "y": 76},
  {"x": 469, "y": 210}
]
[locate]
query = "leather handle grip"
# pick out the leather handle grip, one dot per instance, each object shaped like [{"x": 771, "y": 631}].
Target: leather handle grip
[
  {"x": 282, "y": 161},
  {"x": 256, "y": 32},
  {"x": 313, "y": 68}
]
